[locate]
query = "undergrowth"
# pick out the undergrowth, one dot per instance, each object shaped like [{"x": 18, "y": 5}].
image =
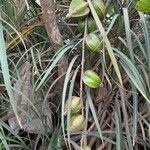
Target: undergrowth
[{"x": 117, "y": 114}]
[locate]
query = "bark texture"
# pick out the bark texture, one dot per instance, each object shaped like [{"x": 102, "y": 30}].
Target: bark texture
[
  {"x": 48, "y": 12},
  {"x": 49, "y": 18}
]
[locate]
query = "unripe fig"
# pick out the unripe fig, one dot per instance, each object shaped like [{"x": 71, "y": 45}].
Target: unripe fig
[
  {"x": 93, "y": 43},
  {"x": 77, "y": 123},
  {"x": 143, "y": 6},
  {"x": 85, "y": 148},
  {"x": 99, "y": 7},
  {"x": 91, "y": 25},
  {"x": 78, "y": 8},
  {"x": 91, "y": 79},
  {"x": 76, "y": 105}
]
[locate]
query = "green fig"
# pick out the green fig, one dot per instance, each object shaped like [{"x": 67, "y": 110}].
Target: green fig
[
  {"x": 78, "y": 8},
  {"x": 99, "y": 7},
  {"x": 91, "y": 79},
  {"x": 76, "y": 104},
  {"x": 91, "y": 26},
  {"x": 77, "y": 123},
  {"x": 93, "y": 43},
  {"x": 143, "y": 6}
]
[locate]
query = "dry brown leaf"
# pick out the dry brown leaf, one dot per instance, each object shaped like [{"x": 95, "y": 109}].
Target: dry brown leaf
[{"x": 31, "y": 122}]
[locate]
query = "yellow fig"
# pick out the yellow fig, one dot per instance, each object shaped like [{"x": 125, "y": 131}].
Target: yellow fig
[
  {"x": 76, "y": 104},
  {"x": 93, "y": 43},
  {"x": 78, "y": 8},
  {"x": 99, "y": 7},
  {"x": 77, "y": 123},
  {"x": 85, "y": 148}
]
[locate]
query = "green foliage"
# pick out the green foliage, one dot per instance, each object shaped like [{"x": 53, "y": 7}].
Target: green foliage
[{"x": 116, "y": 111}]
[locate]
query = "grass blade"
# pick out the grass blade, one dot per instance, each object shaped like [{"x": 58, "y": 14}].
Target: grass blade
[
  {"x": 147, "y": 38},
  {"x": 133, "y": 74},
  {"x": 2, "y": 138},
  {"x": 5, "y": 72},
  {"x": 128, "y": 33},
  {"x": 69, "y": 104},
  {"x": 105, "y": 38},
  {"x": 125, "y": 116},
  {"x": 134, "y": 90},
  {"x": 93, "y": 112},
  {"x": 67, "y": 78},
  {"x": 55, "y": 61},
  {"x": 118, "y": 133}
]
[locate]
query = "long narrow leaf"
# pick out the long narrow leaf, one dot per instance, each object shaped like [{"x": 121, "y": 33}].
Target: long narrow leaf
[
  {"x": 118, "y": 133},
  {"x": 93, "y": 112},
  {"x": 133, "y": 74},
  {"x": 105, "y": 38},
  {"x": 147, "y": 37},
  {"x": 55, "y": 61},
  {"x": 125, "y": 117},
  {"x": 64, "y": 94},
  {"x": 69, "y": 104},
  {"x": 5, "y": 72},
  {"x": 134, "y": 90},
  {"x": 3, "y": 139}
]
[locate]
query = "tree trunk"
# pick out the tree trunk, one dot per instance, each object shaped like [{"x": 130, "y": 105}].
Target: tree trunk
[
  {"x": 48, "y": 12},
  {"x": 49, "y": 17}
]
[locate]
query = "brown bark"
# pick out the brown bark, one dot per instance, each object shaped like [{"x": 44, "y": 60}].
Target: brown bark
[
  {"x": 49, "y": 18},
  {"x": 48, "y": 13}
]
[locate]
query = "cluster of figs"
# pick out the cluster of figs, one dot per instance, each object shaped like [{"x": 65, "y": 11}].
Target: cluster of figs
[
  {"x": 77, "y": 121},
  {"x": 79, "y": 9}
]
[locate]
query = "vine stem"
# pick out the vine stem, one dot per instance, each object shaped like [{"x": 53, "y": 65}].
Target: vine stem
[{"x": 83, "y": 138}]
